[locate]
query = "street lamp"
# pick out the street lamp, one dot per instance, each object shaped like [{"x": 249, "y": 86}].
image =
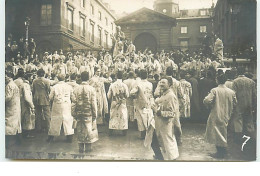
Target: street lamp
[{"x": 26, "y": 23}]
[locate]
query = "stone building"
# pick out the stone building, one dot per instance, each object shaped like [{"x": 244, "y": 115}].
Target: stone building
[
  {"x": 167, "y": 27},
  {"x": 235, "y": 24},
  {"x": 148, "y": 29},
  {"x": 62, "y": 24}
]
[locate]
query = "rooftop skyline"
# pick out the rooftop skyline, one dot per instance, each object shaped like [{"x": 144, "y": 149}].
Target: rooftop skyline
[{"x": 129, "y": 6}]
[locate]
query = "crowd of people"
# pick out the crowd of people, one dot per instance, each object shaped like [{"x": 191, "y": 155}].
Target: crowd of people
[{"x": 157, "y": 91}]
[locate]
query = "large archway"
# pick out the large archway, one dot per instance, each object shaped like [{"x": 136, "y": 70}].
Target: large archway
[{"x": 145, "y": 40}]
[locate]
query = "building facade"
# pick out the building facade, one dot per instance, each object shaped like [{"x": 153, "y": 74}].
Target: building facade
[
  {"x": 62, "y": 24},
  {"x": 192, "y": 26},
  {"x": 235, "y": 25},
  {"x": 148, "y": 29},
  {"x": 186, "y": 34}
]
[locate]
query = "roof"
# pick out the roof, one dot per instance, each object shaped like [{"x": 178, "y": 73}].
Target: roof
[
  {"x": 166, "y": 1},
  {"x": 145, "y": 15},
  {"x": 195, "y": 13}
]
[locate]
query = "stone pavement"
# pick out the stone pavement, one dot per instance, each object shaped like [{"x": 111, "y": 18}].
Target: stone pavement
[{"x": 129, "y": 147}]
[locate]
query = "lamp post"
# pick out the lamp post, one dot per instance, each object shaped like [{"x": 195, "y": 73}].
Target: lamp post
[{"x": 26, "y": 23}]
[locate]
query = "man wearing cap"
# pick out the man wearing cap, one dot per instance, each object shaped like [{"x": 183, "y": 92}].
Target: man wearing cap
[
  {"x": 102, "y": 67},
  {"x": 108, "y": 59},
  {"x": 69, "y": 64},
  {"x": 62, "y": 57},
  {"x": 46, "y": 66},
  {"x": 131, "y": 47},
  {"x": 60, "y": 97},
  {"x": 45, "y": 56}
]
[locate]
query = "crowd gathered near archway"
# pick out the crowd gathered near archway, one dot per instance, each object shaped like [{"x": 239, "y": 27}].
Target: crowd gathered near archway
[{"x": 157, "y": 91}]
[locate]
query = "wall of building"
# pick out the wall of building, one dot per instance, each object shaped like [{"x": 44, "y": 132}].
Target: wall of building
[
  {"x": 160, "y": 32},
  {"x": 235, "y": 24},
  {"x": 193, "y": 35},
  {"x": 57, "y": 35},
  {"x": 85, "y": 12}
]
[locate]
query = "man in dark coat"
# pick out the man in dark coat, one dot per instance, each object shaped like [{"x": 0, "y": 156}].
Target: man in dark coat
[
  {"x": 41, "y": 91},
  {"x": 206, "y": 83},
  {"x": 195, "y": 102}
]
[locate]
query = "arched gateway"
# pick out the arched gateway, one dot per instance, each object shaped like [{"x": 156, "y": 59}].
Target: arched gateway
[{"x": 145, "y": 40}]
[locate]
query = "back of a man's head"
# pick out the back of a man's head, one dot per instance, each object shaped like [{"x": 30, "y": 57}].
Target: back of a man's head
[
  {"x": 143, "y": 74},
  {"x": 240, "y": 70},
  {"x": 73, "y": 76},
  {"x": 169, "y": 71},
  {"x": 156, "y": 77},
  {"x": 183, "y": 74},
  {"x": 61, "y": 77},
  {"x": 131, "y": 74},
  {"x": 20, "y": 73},
  {"x": 221, "y": 79},
  {"x": 40, "y": 73},
  {"x": 84, "y": 76},
  {"x": 119, "y": 75}
]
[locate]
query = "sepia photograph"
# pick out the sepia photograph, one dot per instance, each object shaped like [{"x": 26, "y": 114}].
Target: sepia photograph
[{"x": 131, "y": 80}]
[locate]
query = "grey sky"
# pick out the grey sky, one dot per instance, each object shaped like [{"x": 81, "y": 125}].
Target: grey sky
[{"x": 132, "y": 5}]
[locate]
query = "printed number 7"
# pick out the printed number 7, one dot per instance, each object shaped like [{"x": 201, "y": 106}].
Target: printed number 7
[{"x": 247, "y": 139}]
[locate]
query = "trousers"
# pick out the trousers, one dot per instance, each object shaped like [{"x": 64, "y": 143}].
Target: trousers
[
  {"x": 42, "y": 117},
  {"x": 156, "y": 147}
]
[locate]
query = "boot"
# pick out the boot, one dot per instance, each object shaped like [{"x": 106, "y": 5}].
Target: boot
[
  {"x": 143, "y": 134},
  {"x": 18, "y": 139},
  {"x": 88, "y": 147},
  {"x": 110, "y": 132},
  {"x": 81, "y": 147},
  {"x": 69, "y": 138},
  {"x": 124, "y": 132},
  {"x": 50, "y": 139}
]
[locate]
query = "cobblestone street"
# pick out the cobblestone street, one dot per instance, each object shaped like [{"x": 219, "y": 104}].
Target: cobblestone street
[{"x": 130, "y": 147}]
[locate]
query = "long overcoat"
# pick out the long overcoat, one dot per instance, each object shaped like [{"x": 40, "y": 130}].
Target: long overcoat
[
  {"x": 12, "y": 109},
  {"x": 61, "y": 96},
  {"x": 84, "y": 109},
  {"x": 144, "y": 98},
  {"x": 118, "y": 93},
  {"x": 164, "y": 125},
  {"x": 222, "y": 101}
]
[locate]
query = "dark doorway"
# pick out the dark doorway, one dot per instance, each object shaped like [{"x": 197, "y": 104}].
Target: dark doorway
[{"x": 145, "y": 41}]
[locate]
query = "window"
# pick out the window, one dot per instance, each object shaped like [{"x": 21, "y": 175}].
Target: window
[
  {"x": 164, "y": 10},
  {"x": 203, "y": 29},
  {"x": 100, "y": 36},
  {"x": 92, "y": 32},
  {"x": 99, "y": 15},
  {"x": 106, "y": 35},
  {"x": 82, "y": 3},
  {"x": 202, "y": 12},
  {"x": 70, "y": 19},
  {"x": 184, "y": 45},
  {"x": 106, "y": 21},
  {"x": 46, "y": 12},
  {"x": 112, "y": 27},
  {"x": 184, "y": 13},
  {"x": 184, "y": 30},
  {"x": 92, "y": 9},
  {"x": 82, "y": 26}
]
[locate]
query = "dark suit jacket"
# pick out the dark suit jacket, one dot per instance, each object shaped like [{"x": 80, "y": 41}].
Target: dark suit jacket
[{"x": 41, "y": 91}]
